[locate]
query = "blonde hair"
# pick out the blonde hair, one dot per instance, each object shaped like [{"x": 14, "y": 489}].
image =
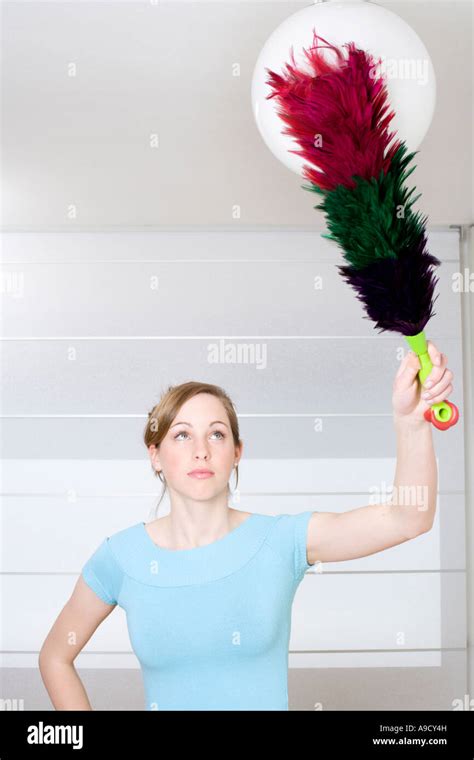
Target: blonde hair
[{"x": 164, "y": 412}]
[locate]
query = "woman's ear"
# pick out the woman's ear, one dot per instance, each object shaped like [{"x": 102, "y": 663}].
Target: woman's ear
[
  {"x": 238, "y": 451},
  {"x": 153, "y": 452}
]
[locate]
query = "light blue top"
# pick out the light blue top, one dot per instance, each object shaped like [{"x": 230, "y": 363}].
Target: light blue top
[{"x": 210, "y": 625}]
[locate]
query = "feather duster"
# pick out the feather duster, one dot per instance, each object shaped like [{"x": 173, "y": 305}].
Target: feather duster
[{"x": 339, "y": 115}]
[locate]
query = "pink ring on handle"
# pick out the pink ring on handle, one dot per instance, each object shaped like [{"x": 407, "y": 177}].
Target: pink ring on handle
[{"x": 430, "y": 417}]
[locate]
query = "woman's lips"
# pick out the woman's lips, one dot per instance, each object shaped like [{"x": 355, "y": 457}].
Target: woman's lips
[{"x": 200, "y": 475}]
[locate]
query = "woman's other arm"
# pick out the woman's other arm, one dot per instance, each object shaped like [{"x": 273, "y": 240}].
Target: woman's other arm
[{"x": 72, "y": 629}]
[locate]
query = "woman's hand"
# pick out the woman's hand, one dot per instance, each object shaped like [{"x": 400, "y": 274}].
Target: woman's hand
[{"x": 407, "y": 398}]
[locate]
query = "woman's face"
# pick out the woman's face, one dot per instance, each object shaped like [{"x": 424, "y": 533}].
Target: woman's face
[{"x": 199, "y": 437}]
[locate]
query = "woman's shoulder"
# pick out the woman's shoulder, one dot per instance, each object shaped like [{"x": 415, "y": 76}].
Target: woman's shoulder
[
  {"x": 104, "y": 569},
  {"x": 124, "y": 536}
]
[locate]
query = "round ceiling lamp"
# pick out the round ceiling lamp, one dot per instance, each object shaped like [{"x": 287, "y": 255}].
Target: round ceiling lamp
[{"x": 400, "y": 56}]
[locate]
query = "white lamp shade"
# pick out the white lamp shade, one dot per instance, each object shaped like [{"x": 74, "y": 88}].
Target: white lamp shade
[{"x": 400, "y": 54}]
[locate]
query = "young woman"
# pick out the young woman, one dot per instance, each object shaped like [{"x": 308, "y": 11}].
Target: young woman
[{"x": 208, "y": 589}]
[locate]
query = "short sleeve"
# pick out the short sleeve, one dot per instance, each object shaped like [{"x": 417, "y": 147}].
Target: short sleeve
[
  {"x": 103, "y": 574},
  {"x": 288, "y": 540},
  {"x": 301, "y": 522}
]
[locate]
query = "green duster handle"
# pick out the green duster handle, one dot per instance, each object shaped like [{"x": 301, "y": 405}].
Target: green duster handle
[{"x": 443, "y": 414}]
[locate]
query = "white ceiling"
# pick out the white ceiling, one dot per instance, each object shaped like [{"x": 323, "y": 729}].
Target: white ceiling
[{"x": 76, "y": 149}]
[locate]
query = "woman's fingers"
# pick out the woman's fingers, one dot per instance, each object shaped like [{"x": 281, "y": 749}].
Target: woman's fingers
[
  {"x": 440, "y": 397},
  {"x": 438, "y": 370},
  {"x": 445, "y": 385}
]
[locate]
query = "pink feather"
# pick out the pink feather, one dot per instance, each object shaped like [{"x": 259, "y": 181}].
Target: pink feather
[{"x": 346, "y": 104}]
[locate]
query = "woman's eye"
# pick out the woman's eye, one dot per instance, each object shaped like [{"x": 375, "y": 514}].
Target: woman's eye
[{"x": 183, "y": 432}]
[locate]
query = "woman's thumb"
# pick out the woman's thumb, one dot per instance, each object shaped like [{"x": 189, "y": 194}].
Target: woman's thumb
[{"x": 408, "y": 371}]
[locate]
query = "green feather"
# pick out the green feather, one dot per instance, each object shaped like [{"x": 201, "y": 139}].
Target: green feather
[{"x": 374, "y": 219}]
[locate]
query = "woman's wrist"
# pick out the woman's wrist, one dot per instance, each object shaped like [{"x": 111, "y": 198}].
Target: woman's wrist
[{"x": 410, "y": 422}]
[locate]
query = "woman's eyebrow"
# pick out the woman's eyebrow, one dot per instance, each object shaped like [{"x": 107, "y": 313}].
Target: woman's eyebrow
[{"x": 188, "y": 423}]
